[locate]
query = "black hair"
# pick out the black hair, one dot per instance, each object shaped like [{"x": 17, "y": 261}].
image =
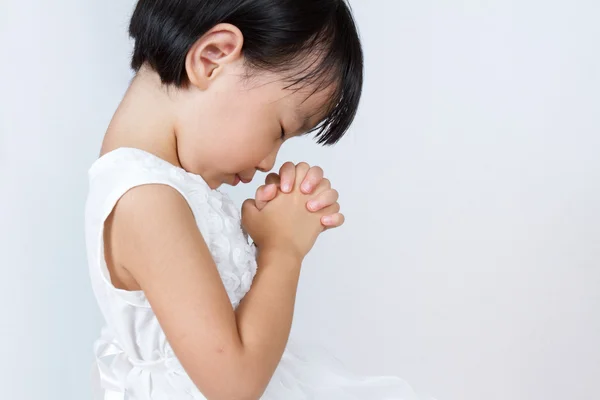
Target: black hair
[{"x": 279, "y": 36}]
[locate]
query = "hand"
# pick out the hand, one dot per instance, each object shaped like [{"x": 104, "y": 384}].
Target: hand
[
  {"x": 286, "y": 180},
  {"x": 285, "y": 223}
]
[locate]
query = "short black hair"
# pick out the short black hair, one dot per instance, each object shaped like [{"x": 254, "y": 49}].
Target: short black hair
[{"x": 279, "y": 36}]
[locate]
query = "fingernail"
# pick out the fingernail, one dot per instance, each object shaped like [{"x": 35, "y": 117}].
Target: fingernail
[
  {"x": 306, "y": 187},
  {"x": 327, "y": 220},
  {"x": 286, "y": 187},
  {"x": 313, "y": 205}
]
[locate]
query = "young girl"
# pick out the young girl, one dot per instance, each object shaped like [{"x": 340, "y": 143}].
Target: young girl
[{"x": 192, "y": 309}]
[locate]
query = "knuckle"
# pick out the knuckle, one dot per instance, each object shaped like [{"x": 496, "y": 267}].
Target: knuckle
[
  {"x": 301, "y": 171},
  {"x": 287, "y": 168},
  {"x": 246, "y": 204},
  {"x": 318, "y": 171},
  {"x": 272, "y": 179}
]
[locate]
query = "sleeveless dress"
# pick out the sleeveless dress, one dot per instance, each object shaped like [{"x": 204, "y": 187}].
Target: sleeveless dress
[{"x": 133, "y": 358}]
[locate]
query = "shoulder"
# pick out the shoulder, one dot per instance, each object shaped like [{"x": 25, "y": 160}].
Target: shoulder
[
  {"x": 114, "y": 175},
  {"x": 147, "y": 220}
]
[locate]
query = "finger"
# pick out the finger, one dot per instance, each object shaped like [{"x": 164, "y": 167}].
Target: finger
[
  {"x": 332, "y": 209},
  {"x": 323, "y": 186},
  {"x": 312, "y": 180},
  {"x": 301, "y": 171},
  {"x": 272, "y": 179},
  {"x": 249, "y": 213},
  {"x": 265, "y": 194},
  {"x": 322, "y": 200},
  {"x": 333, "y": 221},
  {"x": 248, "y": 208},
  {"x": 287, "y": 174}
]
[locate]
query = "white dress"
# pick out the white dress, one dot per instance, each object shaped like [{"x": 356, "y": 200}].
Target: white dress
[{"x": 133, "y": 359}]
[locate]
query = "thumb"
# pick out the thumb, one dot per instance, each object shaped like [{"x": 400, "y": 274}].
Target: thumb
[
  {"x": 249, "y": 210},
  {"x": 264, "y": 195}
]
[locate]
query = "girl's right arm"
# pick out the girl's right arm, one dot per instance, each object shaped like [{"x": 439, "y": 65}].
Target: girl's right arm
[{"x": 227, "y": 354}]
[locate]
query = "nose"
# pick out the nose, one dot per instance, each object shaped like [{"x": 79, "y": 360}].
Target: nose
[{"x": 269, "y": 162}]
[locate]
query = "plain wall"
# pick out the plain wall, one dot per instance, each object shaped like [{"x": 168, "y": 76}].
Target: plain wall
[{"x": 469, "y": 264}]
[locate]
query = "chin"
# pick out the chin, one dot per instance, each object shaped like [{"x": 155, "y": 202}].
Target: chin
[{"x": 215, "y": 184}]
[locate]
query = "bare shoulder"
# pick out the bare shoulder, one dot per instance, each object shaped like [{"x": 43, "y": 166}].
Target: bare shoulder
[
  {"x": 151, "y": 227},
  {"x": 138, "y": 219}
]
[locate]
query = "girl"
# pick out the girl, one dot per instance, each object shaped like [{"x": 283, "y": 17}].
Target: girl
[{"x": 193, "y": 311}]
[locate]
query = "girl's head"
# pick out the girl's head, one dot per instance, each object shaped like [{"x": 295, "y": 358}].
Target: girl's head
[{"x": 239, "y": 73}]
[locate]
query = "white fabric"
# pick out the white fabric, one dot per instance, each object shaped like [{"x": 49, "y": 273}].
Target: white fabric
[{"x": 134, "y": 360}]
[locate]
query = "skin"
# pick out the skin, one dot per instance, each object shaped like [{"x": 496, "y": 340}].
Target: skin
[
  {"x": 284, "y": 182},
  {"x": 152, "y": 242}
]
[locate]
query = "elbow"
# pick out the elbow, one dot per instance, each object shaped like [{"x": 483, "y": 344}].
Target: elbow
[
  {"x": 235, "y": 390},
  {"x": 255, "y": 382},
  {"x": 251, "y": 393},
  {"x": 233, "y": 384}
]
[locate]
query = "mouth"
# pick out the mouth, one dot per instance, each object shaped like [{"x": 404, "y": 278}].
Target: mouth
[{"x": 239, "y": 179}]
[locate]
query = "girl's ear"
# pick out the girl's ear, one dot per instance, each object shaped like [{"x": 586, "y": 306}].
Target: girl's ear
[{"x": 210, "y": 54}]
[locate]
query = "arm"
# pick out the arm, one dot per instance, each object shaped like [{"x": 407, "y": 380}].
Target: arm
[
  {"x": 265, "y": 314},
  {"x": 154, "y": 236}
]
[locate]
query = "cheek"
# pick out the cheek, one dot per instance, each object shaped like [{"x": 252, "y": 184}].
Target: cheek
[
  {"x": 252, "y": 133},
  {"x": 240, "y": 131},
  {"x": 250, "y": 148}
]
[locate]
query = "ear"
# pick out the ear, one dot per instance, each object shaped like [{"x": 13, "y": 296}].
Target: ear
[{"x": 210, "y": 54}]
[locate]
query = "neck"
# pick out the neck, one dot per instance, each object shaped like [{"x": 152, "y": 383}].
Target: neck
[{"x": 145, "y": 119}]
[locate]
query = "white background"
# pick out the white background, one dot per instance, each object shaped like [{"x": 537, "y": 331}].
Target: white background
[{"x": 469, "y": 264}]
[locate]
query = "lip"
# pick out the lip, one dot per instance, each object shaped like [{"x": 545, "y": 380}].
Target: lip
[{"x": 237, "y": 179}]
